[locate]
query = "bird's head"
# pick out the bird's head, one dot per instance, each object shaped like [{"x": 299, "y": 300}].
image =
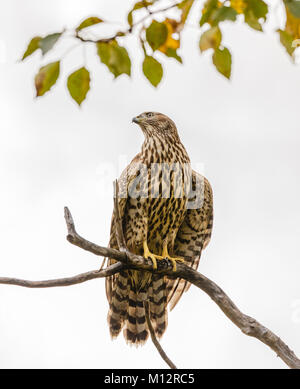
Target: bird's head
[{"x": 155, "y": 124}]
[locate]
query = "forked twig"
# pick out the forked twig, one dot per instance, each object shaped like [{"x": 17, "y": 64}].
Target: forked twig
[{"x": 154, "y": 339}]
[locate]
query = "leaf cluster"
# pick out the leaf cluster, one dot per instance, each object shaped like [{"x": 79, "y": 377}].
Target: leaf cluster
[{"x": 161, "y": 37}]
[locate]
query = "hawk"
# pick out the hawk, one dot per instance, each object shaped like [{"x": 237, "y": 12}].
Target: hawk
[{"x": 166, "y": 210}]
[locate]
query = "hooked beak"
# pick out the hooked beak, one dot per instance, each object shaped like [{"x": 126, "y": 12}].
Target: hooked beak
[{"x": 136, "y": 120}]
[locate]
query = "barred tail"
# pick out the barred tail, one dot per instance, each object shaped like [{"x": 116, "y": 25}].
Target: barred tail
[
  {"x": 158, "y": 304},
  {"x": 117, "y": 290},
  {"x": 127, "y": 309},
  {"x": 136, "y": 331}
]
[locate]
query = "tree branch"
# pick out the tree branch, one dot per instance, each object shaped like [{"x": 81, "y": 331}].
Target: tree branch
[
  {"x": 78, "y": 279},
  {"x": 154, "y": 339},
  {"x": 247, "y": 324},
  {"x": 128, "y": 30}
]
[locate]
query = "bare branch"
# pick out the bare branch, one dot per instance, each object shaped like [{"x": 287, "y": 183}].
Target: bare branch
[
  {"x": 247, "y": 324},
  {"x": 128, "y": 30},
  {"x": 78, "y": 279},
  {"x": 154, "y": 339},
  {"x": 77, "y": 240}
]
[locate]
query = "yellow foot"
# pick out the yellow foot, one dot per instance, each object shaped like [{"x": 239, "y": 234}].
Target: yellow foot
[
  {"x": 153, "y": 257},
  {"x": 166, "y": 255}
]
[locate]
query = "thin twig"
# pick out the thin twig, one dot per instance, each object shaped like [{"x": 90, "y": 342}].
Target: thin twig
[
  {"x": 74, "y": 238},
  {"x": 78, "y": 279},
  {"x": 128, "y": 30},
  {"x": 154, "y": 339}
]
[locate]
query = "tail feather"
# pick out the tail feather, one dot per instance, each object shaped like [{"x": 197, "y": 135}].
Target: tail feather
[
  {"x": 118, "y": 304},
  {"x": 158, "y": 304},
  {"x": 127, "y": 308},
  {"x": 135, "y": 330}
]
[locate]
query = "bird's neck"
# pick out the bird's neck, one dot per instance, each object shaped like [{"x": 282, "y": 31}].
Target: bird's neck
[{"x": 160, "y": 150}]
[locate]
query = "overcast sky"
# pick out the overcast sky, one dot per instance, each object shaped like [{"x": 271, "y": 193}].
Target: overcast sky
[{"x": 244, "y": 134}]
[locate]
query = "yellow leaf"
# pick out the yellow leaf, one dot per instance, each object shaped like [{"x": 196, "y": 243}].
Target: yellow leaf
[
  {"x": 170, "y": 42},
  {"x": 210, "y": 39},
  {"x": 46, "y": 78},
  {"x": 238, "y": 5},
  {"x": 289, "y": 37},
  {"x": 292, "y": 25}
]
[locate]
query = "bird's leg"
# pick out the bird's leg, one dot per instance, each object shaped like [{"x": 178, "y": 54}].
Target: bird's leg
[
  {"x": 148, "y": 254},
  {"x": 166, "y": 255}
]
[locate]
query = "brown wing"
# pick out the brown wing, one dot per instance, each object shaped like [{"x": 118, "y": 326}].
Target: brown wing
[{"x": 193, "y": 235}]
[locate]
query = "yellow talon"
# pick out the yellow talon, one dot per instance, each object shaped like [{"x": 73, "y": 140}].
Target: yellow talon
[
  {"x": 148, "y": 254},
  {"x": 166, "y": 255}
]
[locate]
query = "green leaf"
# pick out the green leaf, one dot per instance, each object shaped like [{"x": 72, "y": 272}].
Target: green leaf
[
  {"x": 172, "y": 53},
  {"x": 152, "y": 70},
  {"x": 255, "y": 10},
  {"x": 115, "y": 57},
  {"x": 32, "y": 46},
  {"x": 138, "y": 5},
  {"x": 79, "y": 84},
  {"x": 252, "y": 20},
  {"x": 48, "y": 42},
  {"x": 259, "y": 8},
  {"x": 46, "y": 77},
  {"x": 287, "y": 41},
  {"x": 294, "y": 7},
  {"x": 223, "y": 13},
  {"x": 209, "y": 7},
  {"x": 156, "y": 34},
  {"x": 89, "y": 22},
  {"x": 222, "y": 61},
  {"x": 210, "y": 39}
]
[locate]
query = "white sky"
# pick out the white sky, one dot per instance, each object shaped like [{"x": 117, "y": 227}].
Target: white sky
[{"x": 246, "y": 135}]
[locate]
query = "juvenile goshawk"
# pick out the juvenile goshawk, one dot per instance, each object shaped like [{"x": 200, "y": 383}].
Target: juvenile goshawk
[{"x": 167, "y": 212}]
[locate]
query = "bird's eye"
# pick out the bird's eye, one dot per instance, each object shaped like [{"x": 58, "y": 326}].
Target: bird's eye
[{"x": 149, "y": 114}]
